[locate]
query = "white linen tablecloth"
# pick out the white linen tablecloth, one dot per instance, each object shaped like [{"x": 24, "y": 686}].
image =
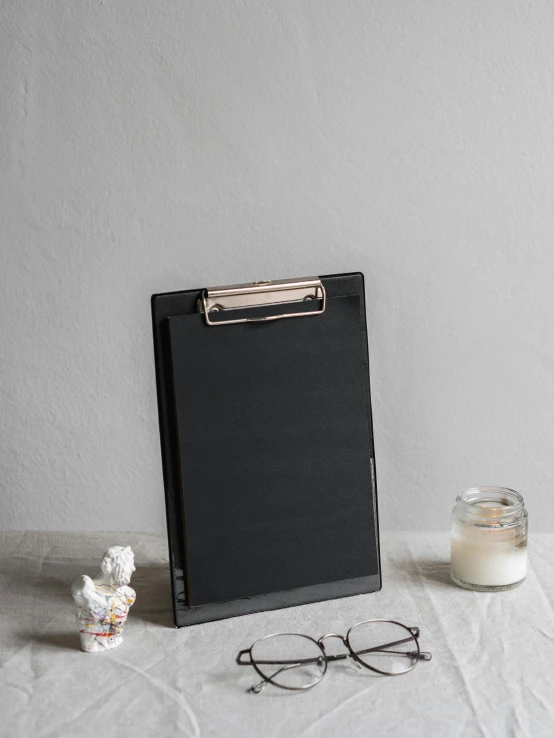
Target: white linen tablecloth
[{"x": 492, "y": 672}]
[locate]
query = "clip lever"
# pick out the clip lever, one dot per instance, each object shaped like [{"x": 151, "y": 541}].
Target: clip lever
[{"x": 258, "y": 294}]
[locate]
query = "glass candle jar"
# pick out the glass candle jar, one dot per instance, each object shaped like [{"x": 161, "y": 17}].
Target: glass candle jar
[{"x": 489, "y": 539}]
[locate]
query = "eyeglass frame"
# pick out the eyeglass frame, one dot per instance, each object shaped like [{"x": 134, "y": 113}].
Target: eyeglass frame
[{"x": 414, "y": 632}]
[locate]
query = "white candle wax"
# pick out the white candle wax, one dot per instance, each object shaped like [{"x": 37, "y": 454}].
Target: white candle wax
[{"x": 488, "y": 557}]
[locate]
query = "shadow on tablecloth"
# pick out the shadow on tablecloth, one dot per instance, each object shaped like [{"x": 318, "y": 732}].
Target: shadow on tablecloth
[{"x": 434, "y": 570}]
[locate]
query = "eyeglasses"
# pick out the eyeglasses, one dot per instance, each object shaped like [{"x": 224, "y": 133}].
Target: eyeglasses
[{"x": 294, "y": 661}]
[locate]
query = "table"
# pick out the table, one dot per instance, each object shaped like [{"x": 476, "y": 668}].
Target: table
[{"x": 491, "y": 674}]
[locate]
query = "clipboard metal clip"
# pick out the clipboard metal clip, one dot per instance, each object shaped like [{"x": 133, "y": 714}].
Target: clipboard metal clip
[{"x": 215, "y": 300}]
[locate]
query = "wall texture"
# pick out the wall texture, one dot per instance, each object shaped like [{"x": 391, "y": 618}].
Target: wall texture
[{"x": 152, "y": 146}]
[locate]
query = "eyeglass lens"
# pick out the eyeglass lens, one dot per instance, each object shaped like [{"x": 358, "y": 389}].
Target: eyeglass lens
[
  {"x": 289, "y": 660},
  {"x": 388, "y": 647}
]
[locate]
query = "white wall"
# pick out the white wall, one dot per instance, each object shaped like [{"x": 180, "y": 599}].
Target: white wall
[{"x": 151, "y": 146}]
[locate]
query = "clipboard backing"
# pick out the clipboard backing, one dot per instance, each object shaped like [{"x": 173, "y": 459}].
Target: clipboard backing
[{"x": 267, "y": 446}]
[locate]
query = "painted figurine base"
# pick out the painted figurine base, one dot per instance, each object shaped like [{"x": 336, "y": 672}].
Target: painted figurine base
[{"x": 104, "y": 603}]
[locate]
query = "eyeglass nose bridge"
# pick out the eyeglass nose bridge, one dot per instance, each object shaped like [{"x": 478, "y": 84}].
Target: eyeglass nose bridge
[{"x": 331, "y": 635}]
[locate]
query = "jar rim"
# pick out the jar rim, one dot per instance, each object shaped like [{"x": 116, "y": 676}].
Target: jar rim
[{"x": 490, "y": 502}]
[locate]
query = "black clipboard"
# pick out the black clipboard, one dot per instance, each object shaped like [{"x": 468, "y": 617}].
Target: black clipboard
[{"x": 267, "y": 445}]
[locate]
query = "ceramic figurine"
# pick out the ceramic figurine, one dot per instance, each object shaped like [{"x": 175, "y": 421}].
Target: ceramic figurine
[{"x": 104, "y": 602}]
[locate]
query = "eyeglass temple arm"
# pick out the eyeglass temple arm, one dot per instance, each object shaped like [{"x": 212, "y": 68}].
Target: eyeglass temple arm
[
  {"x": 257, "y": 688},
  {"x": 413, "y": 630},
  {"x": 240, "y": 662},
  {"x": 422, "y": 656}
]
